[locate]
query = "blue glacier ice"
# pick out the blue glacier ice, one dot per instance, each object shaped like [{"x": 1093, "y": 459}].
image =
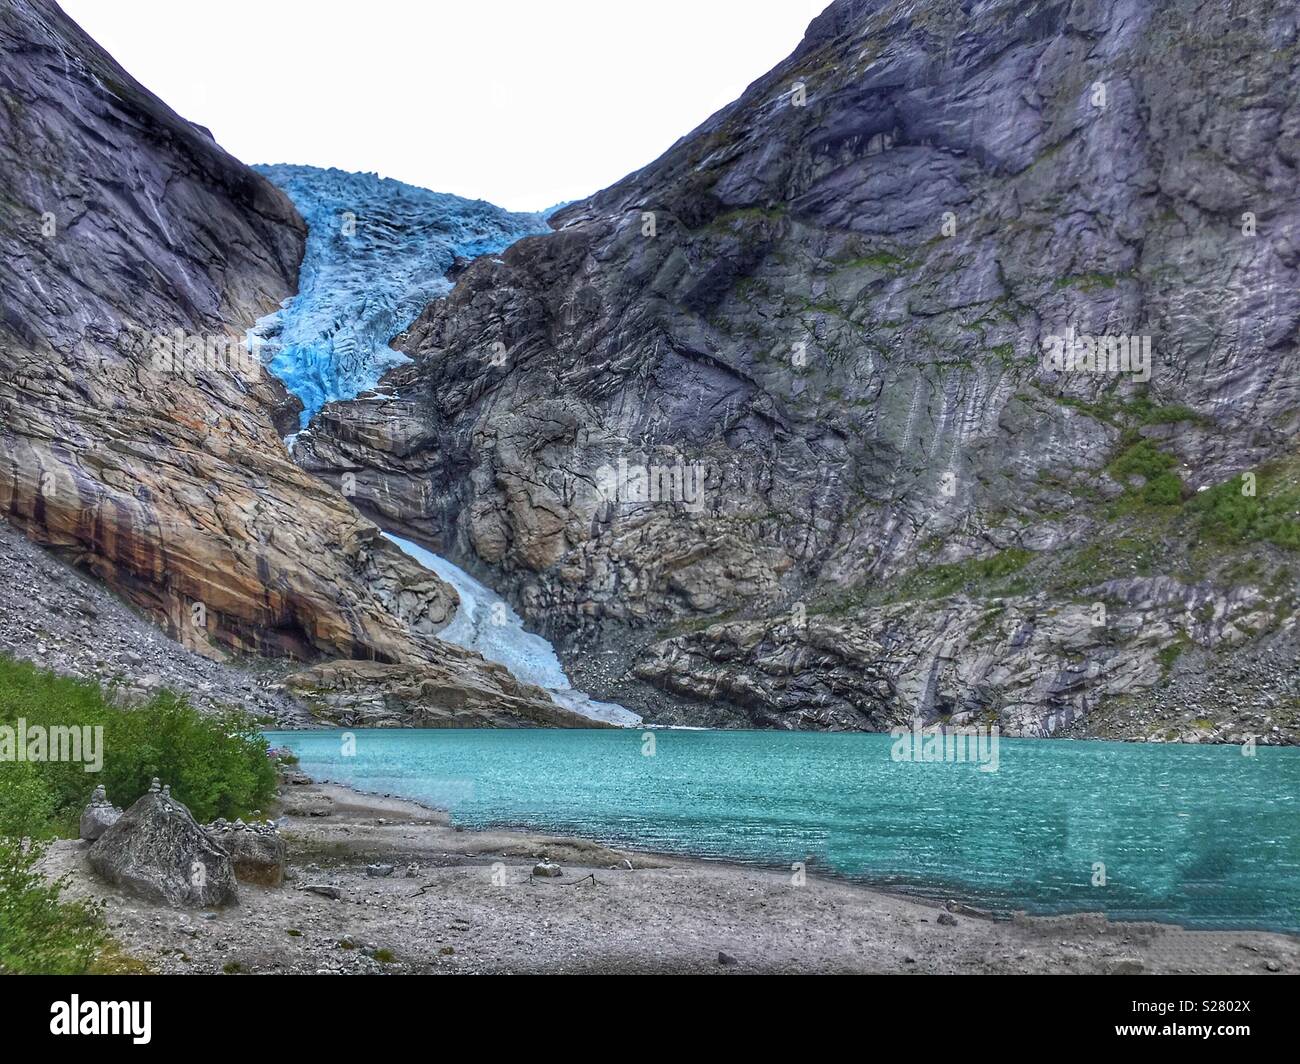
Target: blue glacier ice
[{"x": 378, "y": 252}]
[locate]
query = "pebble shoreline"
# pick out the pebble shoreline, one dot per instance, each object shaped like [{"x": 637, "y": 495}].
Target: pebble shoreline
[{"x": 382, "y": 885}]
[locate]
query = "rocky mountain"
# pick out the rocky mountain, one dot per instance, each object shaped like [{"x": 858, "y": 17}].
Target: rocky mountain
[
  {"x": 139, "y": 436},
  {"x": 950, "y": 372}
]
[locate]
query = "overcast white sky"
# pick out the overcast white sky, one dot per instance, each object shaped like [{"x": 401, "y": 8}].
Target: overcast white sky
[{"x": 522, "y": 102}]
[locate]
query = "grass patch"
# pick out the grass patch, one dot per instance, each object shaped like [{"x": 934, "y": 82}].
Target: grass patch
[
  {"x": 1133, "y": 413},
  {"x": 1147, "y": 413},
  {"x": 972, "y": 576},
  {"x": 745, "y": 215},
  {"x": 881, "y": 260},
  {"x": 1162, "y": 487},
  {"x": 1226, "y": 516},
  {"x": 1170, "y": 654},
  {"x": 1005, "y": 353}
]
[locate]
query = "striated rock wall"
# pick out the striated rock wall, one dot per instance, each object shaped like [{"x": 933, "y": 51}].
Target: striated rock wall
[
  {"x": 121, "y": 224},
  {"x": 832, "y": 302},
  {"x": 137, "y": 438}
]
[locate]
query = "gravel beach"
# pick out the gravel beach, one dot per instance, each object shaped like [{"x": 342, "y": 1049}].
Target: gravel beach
[{"x": 461, "y": 901}]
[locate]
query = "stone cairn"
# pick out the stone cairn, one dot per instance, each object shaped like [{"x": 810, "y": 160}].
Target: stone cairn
[
  {"x": 99, "y": 815},
  {"x": 157, "y": 851},
  {"x": 154, "y": 848},
  {"x": 256, "y": 850}
]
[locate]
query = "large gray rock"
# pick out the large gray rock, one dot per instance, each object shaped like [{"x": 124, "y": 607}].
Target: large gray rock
[
  {"x": 158, "y": 851},
  {"x": 257, "y": 852}
]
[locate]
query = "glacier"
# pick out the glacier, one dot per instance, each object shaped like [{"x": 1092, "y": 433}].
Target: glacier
[{"x": 378, "y": 252}]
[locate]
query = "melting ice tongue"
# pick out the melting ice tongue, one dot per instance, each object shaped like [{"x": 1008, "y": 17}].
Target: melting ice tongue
[
  {"x": 377, "y": 254},
  {"x": 486, "y": 623}
]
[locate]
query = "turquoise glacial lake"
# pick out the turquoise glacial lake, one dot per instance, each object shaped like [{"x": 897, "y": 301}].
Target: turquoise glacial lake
[{"x": 1200, "y": 836}]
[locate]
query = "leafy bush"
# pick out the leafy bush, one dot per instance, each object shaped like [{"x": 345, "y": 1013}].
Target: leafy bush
[
  {"x": 27, "y": 804},
  {"x": 217, "y": 765},
  {"x": 39, "y": 934}
]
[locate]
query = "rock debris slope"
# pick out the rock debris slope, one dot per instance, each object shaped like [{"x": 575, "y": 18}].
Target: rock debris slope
[{"x": 833, "y": 302}]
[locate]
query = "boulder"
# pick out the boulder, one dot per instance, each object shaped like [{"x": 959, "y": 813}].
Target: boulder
[
  {"x": 257, "y": 853},
  {"x": 157, "y": 850},
  {"x": 98, "y": 816},
  {"x": 547, "y": 870}
]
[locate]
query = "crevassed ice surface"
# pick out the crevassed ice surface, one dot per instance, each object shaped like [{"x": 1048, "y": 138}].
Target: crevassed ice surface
[
  {"x": 486, "y": 623},
  {"x": 378, "y": 252},
  {"x": 1192, "y": 834}
]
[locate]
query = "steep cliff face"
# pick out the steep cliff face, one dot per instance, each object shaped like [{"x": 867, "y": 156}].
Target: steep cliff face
[
  {"x": 137, "y": 437},
  {"x": 796, "y": 375}
]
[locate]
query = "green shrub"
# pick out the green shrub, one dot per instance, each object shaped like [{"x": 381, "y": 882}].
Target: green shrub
[
  {"x": 1143, "y": 459},
  {"x": 217, "y": 765},
  {"x": 39, "y": 934},
  {"x": 28, "y": 805},
  {"x": 1271, "y": 515}
]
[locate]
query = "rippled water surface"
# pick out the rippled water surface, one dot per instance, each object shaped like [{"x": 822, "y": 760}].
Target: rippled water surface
[{"x": 1198, "y": 835}]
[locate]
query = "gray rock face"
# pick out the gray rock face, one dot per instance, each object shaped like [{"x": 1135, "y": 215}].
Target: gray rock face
[
  {"x": 98, "y": 816},
  {"x": 122, "y": 227},
  {"x": 817, "y": 326},
  {"x": 459, "y": 691},
  {"x": 157, "y": 851},
  {"x": 1030, "y": 665}
]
